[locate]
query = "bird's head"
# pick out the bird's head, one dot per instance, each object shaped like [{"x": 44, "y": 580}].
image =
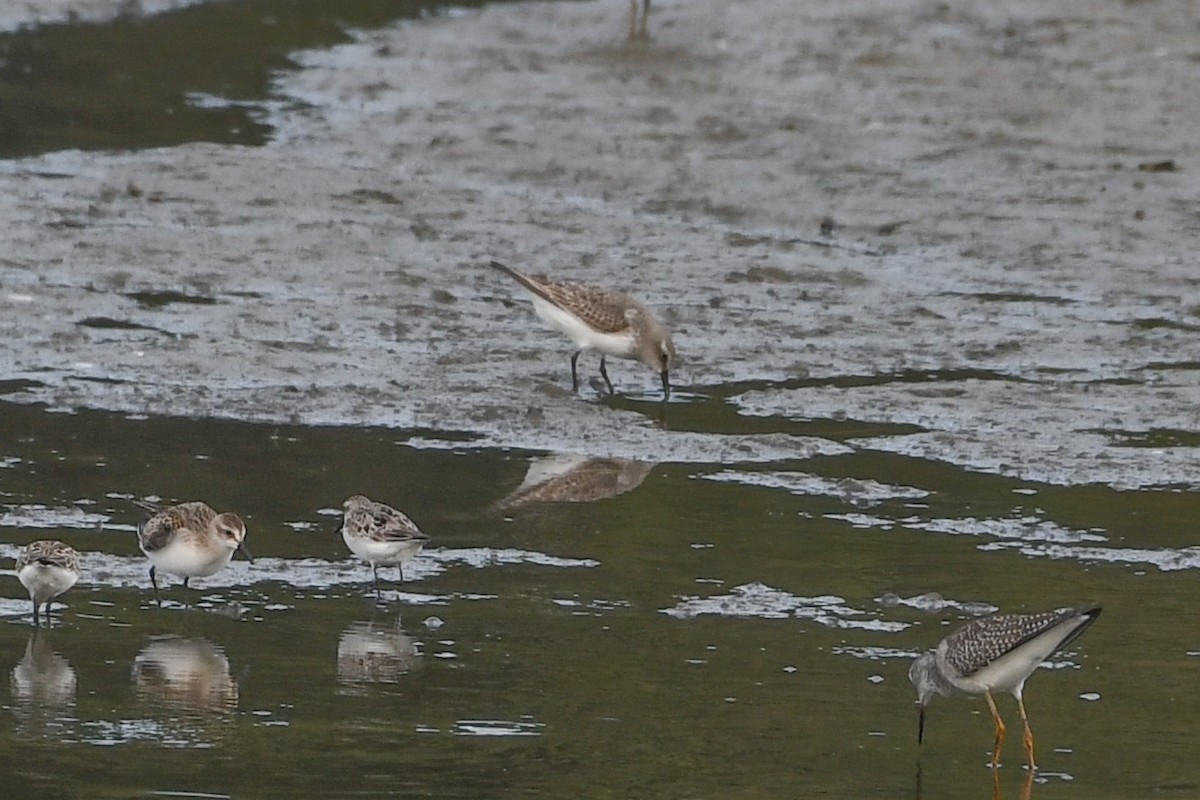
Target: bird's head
[
  {"x": 657, "y": 347},
  {"x": 927, "y": 679},
  {"x": 232, "y": 532}
]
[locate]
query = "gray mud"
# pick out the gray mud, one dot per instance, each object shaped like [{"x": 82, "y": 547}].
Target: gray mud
[{"x": 976, "y": 219}]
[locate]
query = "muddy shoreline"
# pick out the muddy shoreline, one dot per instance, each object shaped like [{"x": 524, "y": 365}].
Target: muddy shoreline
[{"x": 975, "y": 220}]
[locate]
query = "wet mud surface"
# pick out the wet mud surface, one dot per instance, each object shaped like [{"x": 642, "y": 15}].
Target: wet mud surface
[{"x": 972, "y": 222}]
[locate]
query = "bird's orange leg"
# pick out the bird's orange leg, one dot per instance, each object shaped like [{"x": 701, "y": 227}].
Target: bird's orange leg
[
  {"x": 999, "y": 729},
  {"x": 1027, "y": 788},
  {"x": 1028, "y": 734}
]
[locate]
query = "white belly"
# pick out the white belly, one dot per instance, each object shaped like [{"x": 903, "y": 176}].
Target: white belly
[
  {"x": 376, "y": 552},
  {"x": 190, "y": 562},
  {"x": 584, "y": 337},
  {"x": 44, "y": 581}
]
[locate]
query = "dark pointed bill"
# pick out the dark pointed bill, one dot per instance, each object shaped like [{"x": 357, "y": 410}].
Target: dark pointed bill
[{"x": 246, "y": 552}]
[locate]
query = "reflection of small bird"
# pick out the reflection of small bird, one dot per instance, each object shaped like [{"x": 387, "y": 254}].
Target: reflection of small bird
[
  {"x": 189, "y": 674},
  {"x": 190, "y": 540},
  {"x": 610, "y": 322},
  {"x": 43, "y": 677},
  {"x": 47, "y": 568},
  {"x": 996, "y": 653},
  {"x": 370, "y": 654},
  {"x": 567, "y": 478},
  {"x": 379, "y": 534}
]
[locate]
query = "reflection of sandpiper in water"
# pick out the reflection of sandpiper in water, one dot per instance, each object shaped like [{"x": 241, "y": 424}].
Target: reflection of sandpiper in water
[
  {"x": 186, "y": 674},
  {"x": 570, "y": 478},
  {"x": 43, "y": 677},
  {"x": 370, "y": 653}
]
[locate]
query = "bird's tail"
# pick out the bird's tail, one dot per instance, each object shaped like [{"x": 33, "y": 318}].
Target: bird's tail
[
  {"x": 502, "y": 267},
  {"x": 535, "y": 283},
  {"x": 147, "y": 506}
]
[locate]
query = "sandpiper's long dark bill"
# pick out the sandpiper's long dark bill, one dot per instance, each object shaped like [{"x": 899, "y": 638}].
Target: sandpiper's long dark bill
[
  {"x": 609, "y": 322},
  {"x": 996, "y": 653}
]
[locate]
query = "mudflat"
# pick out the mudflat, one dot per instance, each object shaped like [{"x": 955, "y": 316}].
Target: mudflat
[{"x": 972, "y": 220}]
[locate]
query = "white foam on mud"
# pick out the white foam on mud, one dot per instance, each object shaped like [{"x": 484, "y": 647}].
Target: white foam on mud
[
  {"x": 130, "y": 572},
  {"x": 856, "y": 491},
  {"x": 1037, "y": 538},
  {"x": 47, "y": 12},
  {"x": 40, "y": 516},
  {"x": 497, "y": 727},
  {"x": 765, "y": 602},
  {"x": 652, "y": 444},
  {"x": 1063, "y": 434}
]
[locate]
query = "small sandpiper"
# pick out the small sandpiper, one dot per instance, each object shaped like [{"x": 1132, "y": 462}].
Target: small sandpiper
[
  {"x": 996, "y": 653},
  {"x": 190, "y": 540},
  {"x": 380, "y": 535},
  {"x": 47, "y": 568},
  {"x": 610, "y": 322}
]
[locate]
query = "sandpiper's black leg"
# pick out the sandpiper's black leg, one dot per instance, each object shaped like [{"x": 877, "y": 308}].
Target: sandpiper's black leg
[
  {"x": 400, "y": 569},
  {"x": 154, "y": 583},
  {"x": 574, "y": 373},
  {"x": 604, "y": 374},
  {"x": 638, "y": 28},
  {"x": 378, "y": 590},
  {"x": 36, "y": 622}
]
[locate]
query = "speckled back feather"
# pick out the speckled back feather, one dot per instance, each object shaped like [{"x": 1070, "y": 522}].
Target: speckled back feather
[
  {"x": 156, "y": 532},
  {"x": 980, "y": 642},
  {"x": 602, "y": 309},
  {"x": 50, "y": 552},
  {"x": 368, "y": 519}
]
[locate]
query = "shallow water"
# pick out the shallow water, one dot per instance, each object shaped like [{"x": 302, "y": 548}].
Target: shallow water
[
  {"x": 196, "y": 73},
  {"x": 704, "y": 630}
]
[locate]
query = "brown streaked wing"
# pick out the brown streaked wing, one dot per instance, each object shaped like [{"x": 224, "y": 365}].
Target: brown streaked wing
[
  {"x": 982, "y": 641},
  {"x": 360, "y": 522},
  {"x": 602, "y": 309},
  {"x": 383, "y": 523},
  {"x": 196, "y": 515},
  {"x": 157, "y": 531},
  {"x": 50, "y": 552}
]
